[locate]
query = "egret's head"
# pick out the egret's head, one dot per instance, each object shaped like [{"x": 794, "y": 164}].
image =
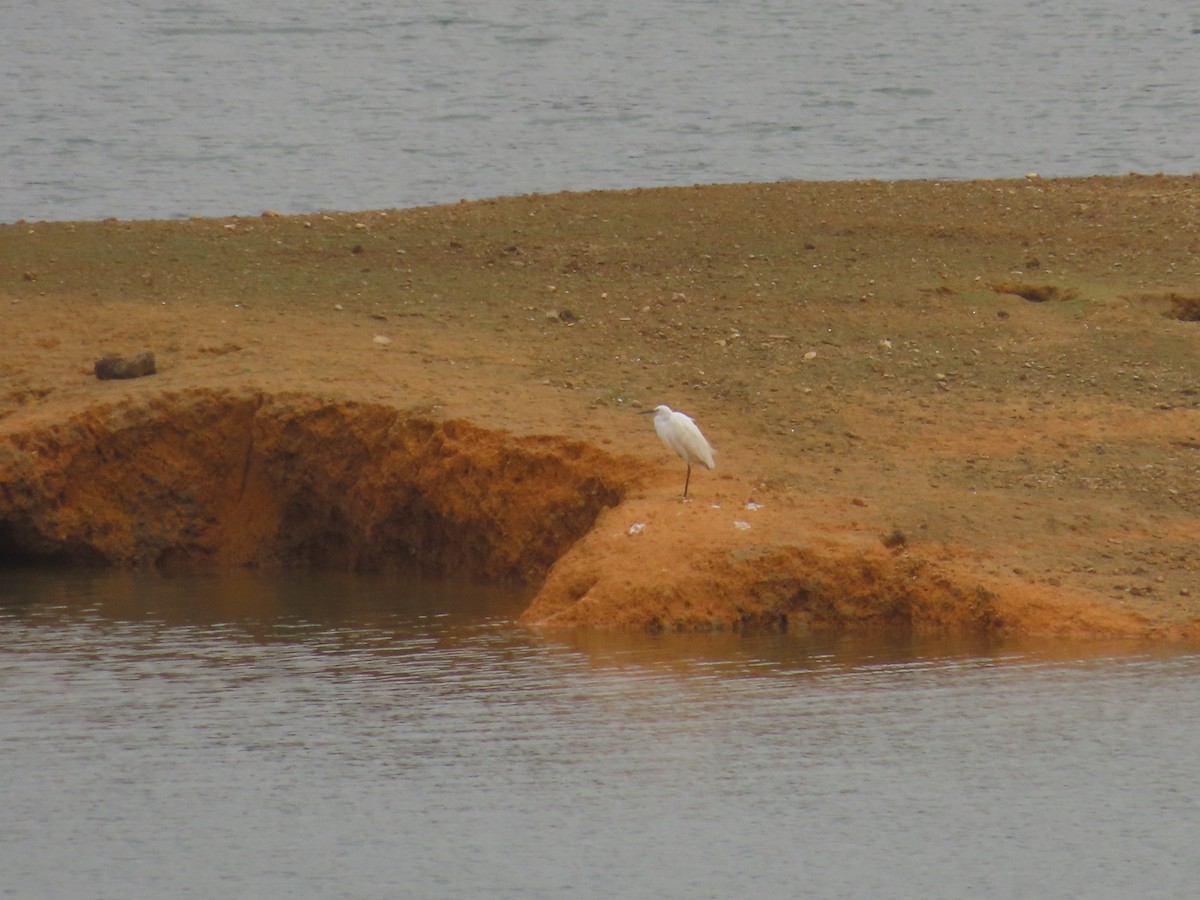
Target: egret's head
[{"x": 658, "y": 410}]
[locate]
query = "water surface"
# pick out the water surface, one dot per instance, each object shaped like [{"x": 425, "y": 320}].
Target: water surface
[
  {"x": 152, "y": 109},
  {"x": 337, "y": 736}
]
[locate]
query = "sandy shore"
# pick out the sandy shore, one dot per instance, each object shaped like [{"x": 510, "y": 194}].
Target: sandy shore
[{"x": 959, "y": 406}]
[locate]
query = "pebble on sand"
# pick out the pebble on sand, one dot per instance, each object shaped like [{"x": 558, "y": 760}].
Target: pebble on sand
[{"x": 134, "y": 366}]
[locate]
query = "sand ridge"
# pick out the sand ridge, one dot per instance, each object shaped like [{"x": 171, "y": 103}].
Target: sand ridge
[{"x": 983, "y": 389}]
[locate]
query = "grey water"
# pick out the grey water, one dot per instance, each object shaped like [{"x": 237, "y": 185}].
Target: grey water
[
  {"x": 345, "y": 736},
  {"x": 152, "y": 109},
  {"x": 336, "y": 736}
]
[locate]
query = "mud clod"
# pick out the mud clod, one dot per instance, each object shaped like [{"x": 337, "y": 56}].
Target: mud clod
[
  {"x": 1183, "y": 308},
  {"x": 1036, "y": 293},
  {"x": 117, "y": 367}
]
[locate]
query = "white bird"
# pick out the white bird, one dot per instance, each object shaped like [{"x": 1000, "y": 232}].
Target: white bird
[{"x": 681, "y": 434}]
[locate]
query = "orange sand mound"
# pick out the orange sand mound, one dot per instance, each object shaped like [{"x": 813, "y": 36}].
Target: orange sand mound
[{"x": 963, "y": 407}]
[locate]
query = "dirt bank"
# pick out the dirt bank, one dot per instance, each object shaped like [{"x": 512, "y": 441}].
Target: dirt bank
[
  {"x": 216, "y": 478},
  {"x": 963, "y": 406}
]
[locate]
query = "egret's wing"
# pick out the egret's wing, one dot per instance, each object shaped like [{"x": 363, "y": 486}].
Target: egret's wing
[{"x": 691, "y": 444}]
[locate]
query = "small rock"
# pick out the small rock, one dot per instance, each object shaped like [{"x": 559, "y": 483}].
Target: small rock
[
  {"x": 126, "y": 366},
  {"x": 895, "y": 540}
]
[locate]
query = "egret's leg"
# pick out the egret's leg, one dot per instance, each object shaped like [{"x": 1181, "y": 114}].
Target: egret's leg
[{"x": 687, "y": 480}]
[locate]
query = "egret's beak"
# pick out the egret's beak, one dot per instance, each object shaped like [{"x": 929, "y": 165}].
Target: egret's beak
[{"x": 646, "y": 412}]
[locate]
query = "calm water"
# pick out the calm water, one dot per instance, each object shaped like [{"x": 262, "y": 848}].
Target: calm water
[
  {"x": 321, "y": 736},
  {"x": 151, "y": 109},
  {"x": 335, "y": 737}
]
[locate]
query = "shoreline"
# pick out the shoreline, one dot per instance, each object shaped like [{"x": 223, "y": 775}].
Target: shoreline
[{"x": 955, "y": 406}]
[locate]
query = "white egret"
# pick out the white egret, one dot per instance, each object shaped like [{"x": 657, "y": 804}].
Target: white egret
[{"x": 681, "y": 434}]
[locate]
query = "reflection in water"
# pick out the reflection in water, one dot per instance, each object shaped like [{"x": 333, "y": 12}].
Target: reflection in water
[{"x": 328, "y": 735}]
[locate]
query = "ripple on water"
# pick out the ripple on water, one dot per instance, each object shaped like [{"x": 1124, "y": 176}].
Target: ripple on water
[
  {"x": 328, "y": 106},
  {"x": 170, "y": 742}
]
